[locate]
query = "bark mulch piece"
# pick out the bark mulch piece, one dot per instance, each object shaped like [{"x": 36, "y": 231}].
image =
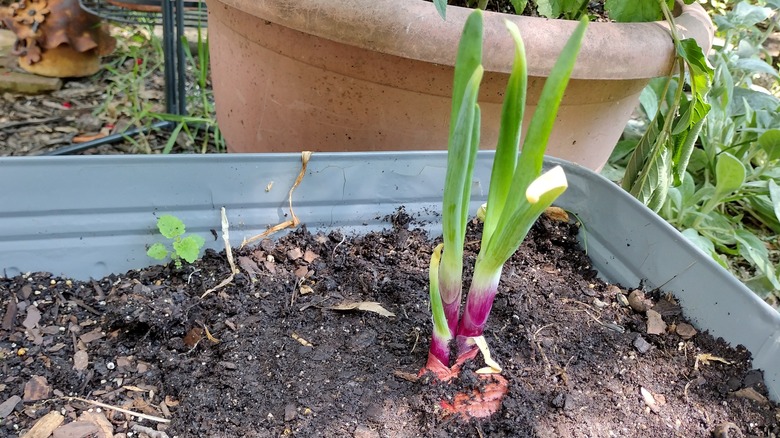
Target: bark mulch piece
[{"x": 267, "y": 356}]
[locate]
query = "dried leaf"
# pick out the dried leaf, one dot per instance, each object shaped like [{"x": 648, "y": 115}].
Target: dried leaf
[
  {"x": 193, "y": 336},
  {"x": 10, "y": 315},
  {"x": 706, "y": 358},
  {"x": 301, "y": 272},
  {"x": 557, "y": 214},
  {"x": 210, "y": 337},
  {"x": 655, "y": 323},
  {"x": 368, "y": 306}
]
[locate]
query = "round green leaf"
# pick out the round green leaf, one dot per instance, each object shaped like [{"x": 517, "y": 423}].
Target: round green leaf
[
  {"x": 189, "y": 247},
  {"x": 157, "y": 251},
  {"x": 170, "y": 226}
]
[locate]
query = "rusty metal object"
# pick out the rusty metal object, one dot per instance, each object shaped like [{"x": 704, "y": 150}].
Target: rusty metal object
[{"x": 56, "y": 37}]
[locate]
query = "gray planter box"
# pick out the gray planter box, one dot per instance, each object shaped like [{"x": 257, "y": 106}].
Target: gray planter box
[{"x": 86, "y": 217}]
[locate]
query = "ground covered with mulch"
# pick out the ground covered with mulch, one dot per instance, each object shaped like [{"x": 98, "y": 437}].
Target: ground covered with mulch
[
  {"x": 278, "y": 352},
  {"x": 126, "y": 94}
]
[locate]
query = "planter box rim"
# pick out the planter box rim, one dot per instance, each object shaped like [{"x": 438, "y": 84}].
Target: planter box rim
[
  {"x": 47, "y": 225},
  {"x": 413, "y": 29}
]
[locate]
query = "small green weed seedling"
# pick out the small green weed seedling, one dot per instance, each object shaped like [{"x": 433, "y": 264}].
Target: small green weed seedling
[{"x": 187, "y": 248}]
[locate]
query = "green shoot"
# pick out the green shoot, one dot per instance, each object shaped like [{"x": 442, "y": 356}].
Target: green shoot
[
  {"x": 518, "y": 192},
  {"x": 182, "y": 248}
]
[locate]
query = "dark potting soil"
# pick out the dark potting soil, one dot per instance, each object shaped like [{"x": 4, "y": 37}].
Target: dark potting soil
[{"x": 268, "y": 356}]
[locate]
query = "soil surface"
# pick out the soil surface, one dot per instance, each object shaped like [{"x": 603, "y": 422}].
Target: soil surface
[{"x": 269, "y": 356}]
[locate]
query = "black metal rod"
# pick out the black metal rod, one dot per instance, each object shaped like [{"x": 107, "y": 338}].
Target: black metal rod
[
  {"x": 181, "y": 63},
  {"x": 169, "y": 53},
  {"x": 113, "y": 138}
]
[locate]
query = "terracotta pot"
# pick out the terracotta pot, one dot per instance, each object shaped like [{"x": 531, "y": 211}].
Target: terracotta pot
[{"x": 363, "y": 75}]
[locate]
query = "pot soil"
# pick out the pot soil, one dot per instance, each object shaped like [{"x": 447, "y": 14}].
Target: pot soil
[{"x": 268, "y": 356}]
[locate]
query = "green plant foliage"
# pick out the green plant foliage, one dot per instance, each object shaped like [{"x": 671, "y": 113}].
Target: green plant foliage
[
  {"x": 187, "y": 248},
  {"x": 727, "y": 200},
  {"x": 170, "y": 226},
  {"x": 633, "y": 10},
  {"x": 618, "y": 10},
  {"x": 137, "y": 60}
]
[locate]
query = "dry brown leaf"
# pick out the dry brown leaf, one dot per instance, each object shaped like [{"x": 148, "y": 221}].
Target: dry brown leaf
[
  {"x": 557, "y": 214},
  {"x": 655, "y": 323},
  {"x": 44, "y": 427},
  {"x": 193, "y": 336},
  {"x": 88, "y": 137},
  {"x": 367, "y": 306},
  {"x": 706, "y": 358},
  {"x": 209, "y": 336}
]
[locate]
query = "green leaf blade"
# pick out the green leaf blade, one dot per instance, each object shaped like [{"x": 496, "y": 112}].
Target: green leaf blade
[{"x": 505, "y": 160}]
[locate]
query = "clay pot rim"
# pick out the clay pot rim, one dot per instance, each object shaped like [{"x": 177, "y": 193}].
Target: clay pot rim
[{"x": 413, "y": 29}]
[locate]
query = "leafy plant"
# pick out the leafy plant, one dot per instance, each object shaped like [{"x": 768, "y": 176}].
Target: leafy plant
[
  {"x": 618, "y": 10},
  {"x": 518, "y": 192},
  {"x": 138, "y": 60},
  {"x": 662, "y": 154},
  {"x": 727, "y": 201},
  {"x": 182, "y": 248}
]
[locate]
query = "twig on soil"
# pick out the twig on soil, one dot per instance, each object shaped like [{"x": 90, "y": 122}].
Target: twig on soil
[
  {"x": 118, "y": 409},
  {"x": 305, "y": 156},
  {"x": 149, "y": 431},
  {"x": 609, "y": 325},
  {"x": 8, "y": 125},
  {"x": 416, "y": 340},
  {"x": 541, "y": 350},
  {"x": 228, "y": 253},
  {"x": 410, "y": 377}
]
